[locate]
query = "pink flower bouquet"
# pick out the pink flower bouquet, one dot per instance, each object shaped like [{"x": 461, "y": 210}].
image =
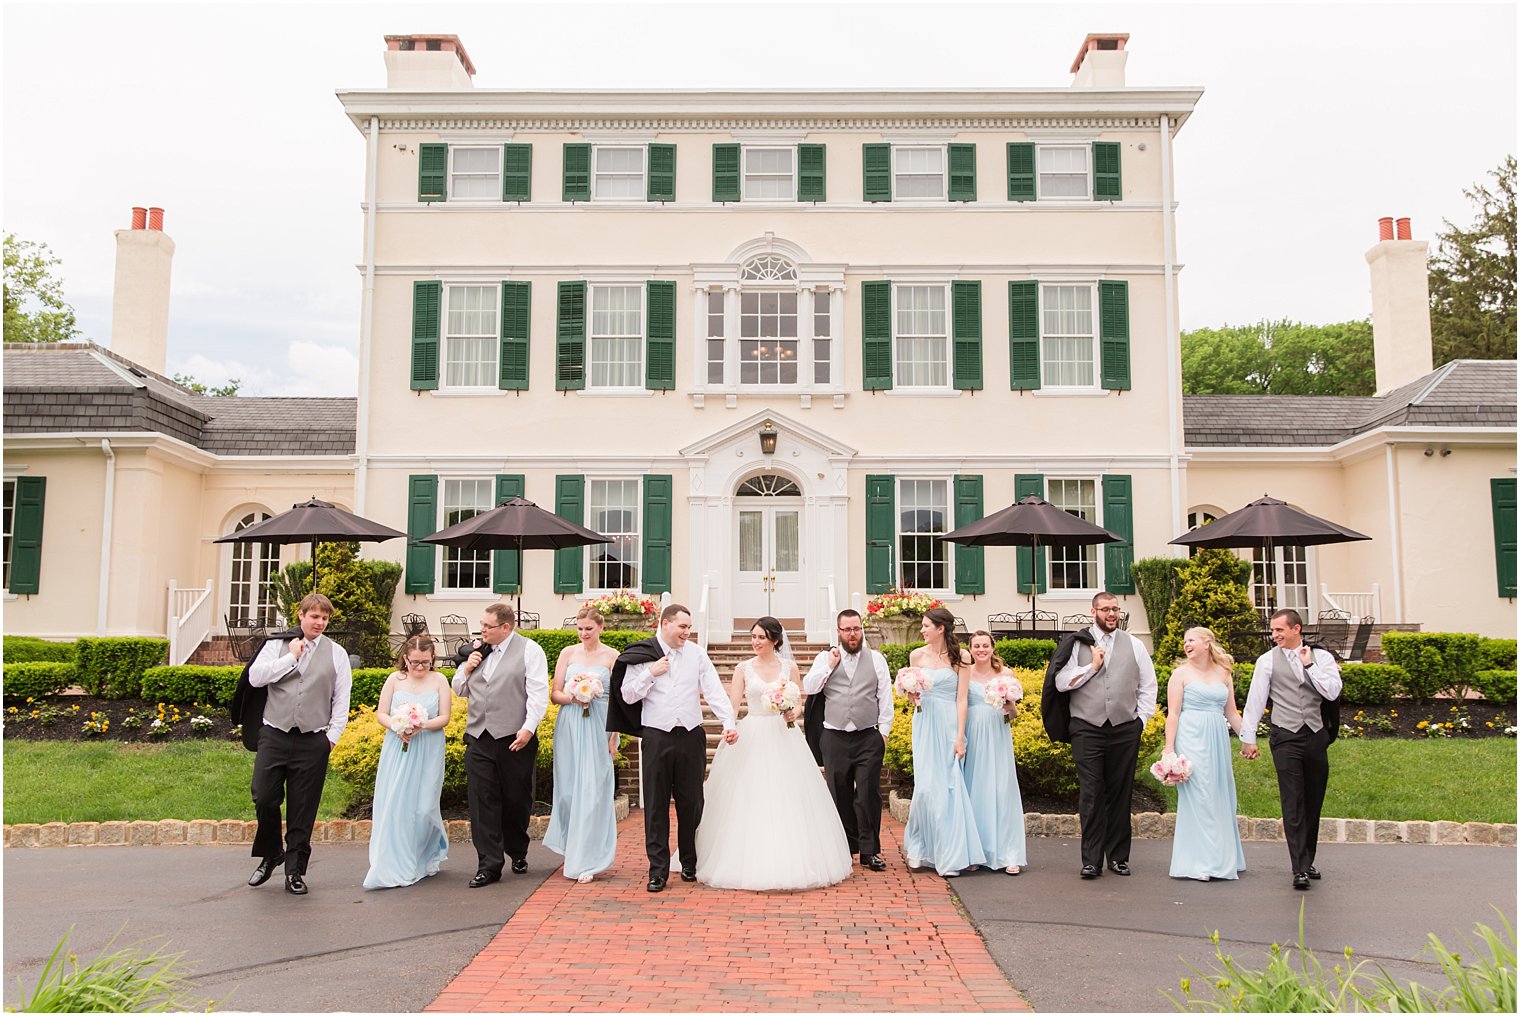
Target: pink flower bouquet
[
  {"x": 1172, "y": 769},
  {"x": 783, "y": 697},
  {"x": 912, "y": 681},
  {"x": 407, "y": 719},
  {"x": 1003, "y": 690},
  {"x": 583, "y": 689}
]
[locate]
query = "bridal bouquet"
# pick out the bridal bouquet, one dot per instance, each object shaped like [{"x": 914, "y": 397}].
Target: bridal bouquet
[
  {"x": 1002, "y": 690},
  {"x": 783, "y": 697},
  {"x": 583, "y": 689},
  {"x": 407, "y": 719},
  {"x": 1172, "y": 769},
  {"x": 912, "y": 681}
]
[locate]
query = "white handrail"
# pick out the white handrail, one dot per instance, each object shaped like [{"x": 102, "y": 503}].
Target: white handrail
[
  {"x": 189, "y": 620},
  {"x": 701, "y": 624},
  {"x": 1357, "y": 604}
]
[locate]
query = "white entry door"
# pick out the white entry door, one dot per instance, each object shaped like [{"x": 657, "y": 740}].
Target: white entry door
[{"x": 770, "y": 558}]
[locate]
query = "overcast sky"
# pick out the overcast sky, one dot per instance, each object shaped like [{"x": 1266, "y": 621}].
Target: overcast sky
[{"x": 1315, "y": 120}]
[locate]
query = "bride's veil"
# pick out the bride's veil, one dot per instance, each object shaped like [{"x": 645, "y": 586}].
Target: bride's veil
[{"x": 784, "y": 650}]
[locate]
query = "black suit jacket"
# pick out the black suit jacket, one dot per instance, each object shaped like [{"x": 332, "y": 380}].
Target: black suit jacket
[
  {"x": 247, "y": 706},
  {"x": 1055, "y": 706},
  {"x": 628, "y": 717}
]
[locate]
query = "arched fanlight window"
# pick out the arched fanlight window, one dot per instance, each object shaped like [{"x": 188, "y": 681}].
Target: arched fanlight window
[
  {"x": 768, "y": 485},
  {"x": 769, "y": 268}
]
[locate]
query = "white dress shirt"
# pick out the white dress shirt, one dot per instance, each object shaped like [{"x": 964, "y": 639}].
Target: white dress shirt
[
  {"x": 275, "y": 663},
  {"x": 672, "y": 700},
  {"x": 1073, "y": 675},
  {"x": 1325, "y": 672},
  {"x": 818, "y": 675},
  {"x": 534, "y": 662}
]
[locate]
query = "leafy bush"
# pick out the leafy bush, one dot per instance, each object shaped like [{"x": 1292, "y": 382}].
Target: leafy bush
[
  {"x": 1497, "y": 686},
  {"x": 897, "y": 655},
  {"x": 1045, "y": 766},
  {"x": 1243, "y": 671},
  {"x": 1371, "y": 684},
  {"x": 899, "y": 753},
  {"x": 113, "y": 667},
  {"x": 213, "y": 685},
  {"x": 1434, "y": 662},
  {"x": 1157, "y": 582},
  {"x": 21, "y": 649},
  {"x": 129, "y": 979},
  {"x": 1025, "y": 654},
  {"x": 1212, "y": 594},
  {"x": 1498, "y": 654},
  {"x": 36, "y": 679}
]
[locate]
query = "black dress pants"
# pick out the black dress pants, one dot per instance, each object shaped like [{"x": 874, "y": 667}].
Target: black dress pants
[
  {"x": 293, "y": 764},
  {"x": 499, "y": 785},
  {"x": 674, "y": 764},
  {"x": 852, "y": 766},
  {"x": 1303, "y": 770},
  {"x": 1105, "y": 758}
]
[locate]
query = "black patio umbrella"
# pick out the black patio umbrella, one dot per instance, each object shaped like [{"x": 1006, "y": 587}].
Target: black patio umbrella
[
  {"x": 516, "y": 524},
  {"x": 313, "y": 522},
  {"x": 1033, "y": 522}
]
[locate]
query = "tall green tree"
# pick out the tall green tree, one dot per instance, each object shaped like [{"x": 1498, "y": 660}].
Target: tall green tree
[
  {"x": 35, "y": 310},
  {"x": 1472, "y": 277},
  {"x": 1279, "y": 358},
  {"x": 227, "y": 390},
  {"x": 1211, "y": 593}
]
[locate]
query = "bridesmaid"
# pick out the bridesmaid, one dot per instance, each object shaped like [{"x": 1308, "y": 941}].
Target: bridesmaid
[
  {"x": 1200, "y": 714},
  {"x": 941, "y": 831},
  {"x": 992, "y": 781},
  {"x": 408, "y": 842},
  {"x": 582, "y": 827}
]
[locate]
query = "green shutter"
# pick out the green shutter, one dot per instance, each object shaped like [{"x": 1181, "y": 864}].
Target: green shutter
[
  {"x": 1119, "y": 519},
  {"x": 421, "y": 520},
  {"x": 1025, "y": 484},
  {"x": 876, "y": 335},
  {"x": 812, "y": 172},
  {"x": 432, "y": 172},
  {"x": 1024, "y": 335},
  {"x": 1502, "y": 490},
  {"x": 516, "y": 300},
  {"x": 661, "y": 185},
  {"x": 657, "y": 534},
  {"x": 1021, "y": 171},
  {"x": 1107, "y": 186},
  {"x": 877, "y": 160},
  {"x": 569, "y": 504},
  {"x": 962, "y": 172},
  {"x": 1113, "y": 316},
  {"x": 660, "y": 335},
  {"x": 26, "y": 535},
  {"x": 516, "y": 172},
  {"x": 881, "y": 531},
  {"x": 577, "y": 172},
  {"x": 506, "y": 565},
  {"x": 966, "y": 304},
  {"x": 725, "y": 173},
  {"x": 570, "y": 337},
  {"x": 427, "y": 303},
  {"x": 970, "y": 571}
]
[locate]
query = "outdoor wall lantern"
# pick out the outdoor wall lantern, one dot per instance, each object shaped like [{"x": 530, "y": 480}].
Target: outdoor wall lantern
[{"x": 768, "y": 439}]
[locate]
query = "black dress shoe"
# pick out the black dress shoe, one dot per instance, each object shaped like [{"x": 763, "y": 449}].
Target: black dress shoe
[
  {"x": 656, "y": 885},
  {"x": 520, "y": 866},
  {"x": 484, "y": 878},
  {"x": 295, "y": 885},
  {"x": 874, "y": 862},
  {"x": 1119, "y": 867},
  {"x": 264, "y": 870},
  {"x": 1300, "y": 880},
  {"x": 1091, "y": 871},
  {"x": 688, "y": 874},
  {"x": 1314, "y": 873}
]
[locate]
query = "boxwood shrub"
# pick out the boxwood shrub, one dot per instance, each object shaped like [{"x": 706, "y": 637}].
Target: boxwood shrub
[
  {"x": 113, "y": 667},
  {"x": 1497, "y": 654},
  {"x": 1371, "y": 684},
  {"x": 1434, "y": 662},
  {"x": 23, "y": 649},
  {"x": 188, "y": 683},
  {"x": 36, "y": 679},
  {"x": 1497, "y": 686}
]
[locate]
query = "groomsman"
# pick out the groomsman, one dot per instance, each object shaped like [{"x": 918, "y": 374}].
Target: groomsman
[
  {"x": 308, "y": 681},
  {"x": 1300, "y": 682},
  {"x": 856, "y": 714},
  {"x": 505, "y": 677},
  {"x": 1112, "y": 686}
]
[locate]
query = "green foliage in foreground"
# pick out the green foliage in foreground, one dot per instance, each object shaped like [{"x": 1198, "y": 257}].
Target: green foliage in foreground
[
  {"x": 21, "y": 648},
  {"x": 129, "y": 979}
]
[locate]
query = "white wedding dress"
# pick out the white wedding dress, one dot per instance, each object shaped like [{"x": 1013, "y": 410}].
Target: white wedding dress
[{"x": 768, "y": 821}]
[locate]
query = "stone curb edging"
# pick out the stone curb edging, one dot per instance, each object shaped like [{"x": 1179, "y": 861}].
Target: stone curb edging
[
  {"x": 205, "y": 831},
  {"x": 1152, "y": 825}
]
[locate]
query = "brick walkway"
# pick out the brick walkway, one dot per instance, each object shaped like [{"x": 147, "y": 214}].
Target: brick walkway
[{"x": 890, "y": 942}]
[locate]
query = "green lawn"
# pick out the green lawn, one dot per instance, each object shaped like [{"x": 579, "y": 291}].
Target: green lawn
[
  {"x": 72, "y": 781},
  {"x": 1396, "y": 780}
]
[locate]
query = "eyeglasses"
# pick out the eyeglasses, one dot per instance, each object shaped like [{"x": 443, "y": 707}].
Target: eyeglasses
[
  {"x": 851, "y": 631},
  {"x": 1106, "y": 610},
  {"x": 487, "y": 627},
  {"x": 419, "y": 663}
]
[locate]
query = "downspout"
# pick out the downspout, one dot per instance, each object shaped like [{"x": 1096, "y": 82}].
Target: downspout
[
  {"x": 1395, "y": 532},
  {"x": 105, "y": 538},
  {"x": 366, "y": 321},
  {"x": 1173, "y": 337}
]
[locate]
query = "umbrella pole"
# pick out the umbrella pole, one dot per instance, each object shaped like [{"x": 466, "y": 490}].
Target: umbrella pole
[
  {"x": 1034, "y": 579},
  {"x": 519, "y": 578},
  {"x": 313, "y": 565}
]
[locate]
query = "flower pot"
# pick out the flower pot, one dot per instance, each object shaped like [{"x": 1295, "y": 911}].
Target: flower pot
[
  {"x": 628, "y": 622},
  {"x": 897, "y": 629}
]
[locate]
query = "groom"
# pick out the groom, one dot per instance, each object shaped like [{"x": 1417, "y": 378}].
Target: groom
[
  {"x": 661, "y": 682},
  {"x": 850, "y": 694}
]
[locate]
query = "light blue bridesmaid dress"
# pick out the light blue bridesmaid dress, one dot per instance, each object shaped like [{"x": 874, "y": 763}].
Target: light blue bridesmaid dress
[
  {"x": 1207, "y": 842},
  {"x": 993, "y": 782},
  {"x": 941, "y": 830},
  {"x": 407, "y": 841},
  {"x": 582, "y": 826}
]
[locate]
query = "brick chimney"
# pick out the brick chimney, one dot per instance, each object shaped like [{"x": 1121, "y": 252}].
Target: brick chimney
[
  {"x": 140, "y": 303},
  {"x": 416, "y": 62},
  {"x": 1100, "y": 61},
  {"x": 1401, "y": 349}
]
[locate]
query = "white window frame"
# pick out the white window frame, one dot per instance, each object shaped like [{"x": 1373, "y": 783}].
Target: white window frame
[
  {"x": 1097, "y": 554},
  {"x": 637, "y": 543},
  {"x": 643, "y": 151},
  {"x": 947, "y": 483},
  {"x": 9, "y": 525},
  {"x": 744, "y": 173},
  {"x": 441, "y": 583},
  {"x": 1046, "y": 384},
  {"x": 262, "y": 603},
  {"x": 760, "y": 291},
  {"x": 452, "y": 194},
  {"x": 944, "y": 173},
  {"x": 714, "y": 336},
  {"x": 1304, "y": 558},
  {"x": 641, "y": 338},
  {"x": 493, "y": 290},
  {"x": 898, "y": 385},
  {"x": 821, "y": 309},
  {"x": 1039, "y": 174}
]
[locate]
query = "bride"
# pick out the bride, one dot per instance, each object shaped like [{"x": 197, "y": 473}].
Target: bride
[{"x": 768, "y": 821}]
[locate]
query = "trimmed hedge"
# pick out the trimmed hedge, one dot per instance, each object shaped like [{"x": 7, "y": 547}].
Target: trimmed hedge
[
  {"x": 1498, "y": 654},
  {"x": 1029, "y": 654},
  {"x": 189, "y": 684},
  {"x": 1371, "y": 684},
  {"x": 113, "y": 667},
  {"x": 1434, "y": 662},
  {"x": 1497, "y": 686},
  {"x": 36, "y": 679},
  {"x": 24, "y": 649}
]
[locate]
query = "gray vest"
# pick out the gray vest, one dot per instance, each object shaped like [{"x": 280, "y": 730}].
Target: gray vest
[
  {"x": 1110, "y": 695},
  {"x": 849, "y": 700},
  {"x": 1294, "y": 705},
  {"x": 303, "y": 700},
  {"x": 499, "y": 707}
]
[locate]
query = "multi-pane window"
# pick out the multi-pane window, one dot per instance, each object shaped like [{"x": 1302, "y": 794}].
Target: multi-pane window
[
  {"x": 474, "y": 173},
  {"x": 918, "y": 172},
  {"x": 1074, "y": 567},
  {"x": 470, "y": 337},
  {"x": 465, "y": 499},
  {"x": 618, "y": 173},
  {"x": 921, "y": 339},
  {"x": 616, "y": 348},
  {"x": 1063, "y": 172},
  {"x": 1067, "y": 347},
  {"x": 253, "y": 568},
  {"x": 1201, "y": 517},
  {"x": 10, "y": 526},
  {"x": 614, "y": 512},
  {"x": 716, "y": 329},
  {"x": 768, "y": 174},
  {"x": 767, "y": 338},
  {"x": 1281, "y": 580},
  {"x": 923, "y": 508},
  {"x": 822, "y": 336}
]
